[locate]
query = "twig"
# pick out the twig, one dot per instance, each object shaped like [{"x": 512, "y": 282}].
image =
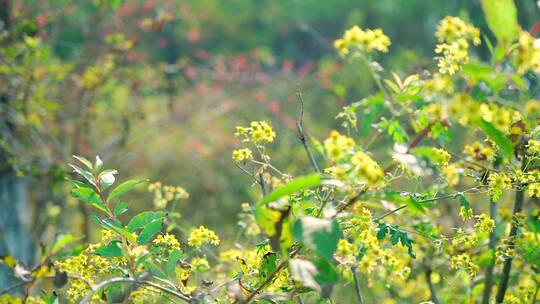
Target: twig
[
  {"x": 271, "y": 276},
  {"x": 357, "y": 289},
  {"x": 106, "y": 283},
  {"x": 432, "y": 290},
  {"x": 518, "y": 205},
  {"x": 488, "y": 281},
  {"x": 423, "y": 133},
  {"x": 262, "y": 182},
  {"x": 14, "y": 286},
  {"x": 301, "y": 132}
]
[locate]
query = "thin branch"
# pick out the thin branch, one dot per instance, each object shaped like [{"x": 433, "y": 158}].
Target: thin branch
[
  {"x": 432, "y": 290},
  {"x": 302, "y": 134},
  {"x": 14, "y": 286},
  {"x": 271, "y": 276},
  {"x": 423, "y": 133},
  {"x": 106, "y": 283},
  {"x": 262, "y": 182},
  {"x": 357, "y": 289},
  {"x": 488, "y": 281},
  {"x": 518, "y": 205}
]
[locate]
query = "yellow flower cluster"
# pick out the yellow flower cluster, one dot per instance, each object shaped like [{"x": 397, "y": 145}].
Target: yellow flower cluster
[
  {"x": 467, "y": 111},
  {"x": 366, "y": 168},
  {"x": 451, "y": 174},
  {"x": 497, "y": 182},
  {"x": 202, "y": 236},
  {"x": 464, "y": 261},
  {"x": 259, "y": 132},
  {"x": 167, "y": 240},
  {"x": 199, "y": 264},
  {"x": 338, "y": 145},
  {"x": 533, "y": 147},
  {"x": 441, "y": 156},
  {"x": 241, "y": 155},
  {"x": 346, "y": 252},
  {"x": 357, "y": 39},
  {"x": 478, "y": 152},
  {"x": 484, "y": 223},
  {"x": 163, "y": 195},
  {"x": 533, "y": 181},
  {"x": 528, "y": 54},
  {"x": 464, "y": 240},
  {"x": 454, "y": 35}
]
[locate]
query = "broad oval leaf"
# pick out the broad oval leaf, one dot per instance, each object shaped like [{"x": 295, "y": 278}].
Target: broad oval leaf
[
  {"x": 498, "y": 137},
  {"x": 297, "y": 184},
  {"x": 143, "y": 219},
  {"x": 322, "y": 235},
  {"x": 89, "y": 196},
  {"x": 149, "y": 231},
  {"x": 501, "y": 17},
  {"x": 125, "y": 187},
  {"x": 112, "y": 249}
]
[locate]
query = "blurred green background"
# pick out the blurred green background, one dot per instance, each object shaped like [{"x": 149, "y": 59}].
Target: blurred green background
[{"x": 156, "y": 87}]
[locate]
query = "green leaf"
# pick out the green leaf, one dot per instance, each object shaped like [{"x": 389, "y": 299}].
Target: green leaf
[
  {"x": 172, "y": 261},
  {"x": 62, "y": 241},
  {"x": 304, "y": 272},
  {"x": 120, "y": 208},
  {"x": 125, "y": 187},
  {"x": 84, "y": 161},
  {"x": 154, "y": 269},
  {"x": 84, "y": 173},
  {"x": 297, "y": 184},
  {"x": 501, "y": 17},
  {"x": 110, "y": 250},
  {"x": 149, "y": 231},
  {"x": 144, "y": 218},
  {"x": 90, "y": 197},
  {"x": 115, "y": 226},
  {"x": 498, "y": 137},
  {"x": 321, "y": 235},
  {"x": 383, "y": 229},
  {"x": 106, "y": 178},
  {"x": 326, "y": 272},
  {"x": 268, "y": 264}
]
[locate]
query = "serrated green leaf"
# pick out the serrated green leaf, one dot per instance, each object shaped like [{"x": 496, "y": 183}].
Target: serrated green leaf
[
  {"x": 90, "y": 197},
  {"x": 125, "y": 187},
  {"x": 501, "y": 17},
  {"x": 504, "y": 144},
  {"x": 297, "y": 184}
]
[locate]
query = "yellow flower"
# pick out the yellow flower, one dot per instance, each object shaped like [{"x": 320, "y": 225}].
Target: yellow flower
[
  {"x": 200, "y": 264},
  {"x": 367, "y": 168},
  {"x": 338, "y": 145},
  {"x": 453, "y": 28},
  {"x": 479, "y": 152},
  {"x": 533, "y": 147},
  {"x": 345, "y": 249},
  {"x": 362, "y": 40},
  {"x": 484, "y": 223},
  {"x": 528, "y": 54},
  {"x": 451, "y": 174},
  {"x": 167, "y": 240},
  {"x": 497, "y": 182},
  {"x": 454, "y": 35},
  {"x": 241, "y": 155},
  {"x": 202, "y": 236},
  {"x": 442, "y": 157}
]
